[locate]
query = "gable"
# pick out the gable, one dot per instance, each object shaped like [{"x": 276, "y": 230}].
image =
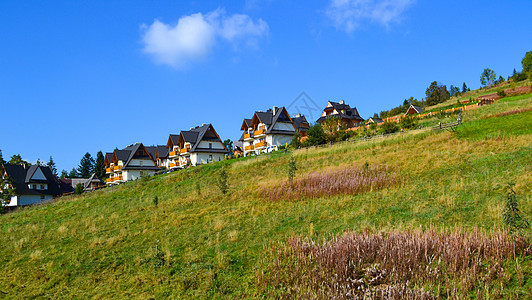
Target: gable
[{"x": 38, "y": 175}]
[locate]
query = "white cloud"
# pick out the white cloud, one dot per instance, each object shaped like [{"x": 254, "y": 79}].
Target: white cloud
[
  {"x": 349, "y": 14},
  {"x": 194, "y": 36}
]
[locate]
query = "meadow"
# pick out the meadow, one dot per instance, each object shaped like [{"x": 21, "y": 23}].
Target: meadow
[{"x": 199, "y": 243}]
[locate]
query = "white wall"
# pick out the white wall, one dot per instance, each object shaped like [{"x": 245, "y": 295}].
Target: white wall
[
  {"x": 145, "y": 162},
  {"x": 197, "y": 157},
  {"x": 28, "y": 200},
  {"x": 279, "y": 140},
  {"x": 215, "y": 145}
]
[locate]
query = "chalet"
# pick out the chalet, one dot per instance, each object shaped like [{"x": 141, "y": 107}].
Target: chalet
[
  {"x": 199, "y": 145},
  {"x": 161, "y": 156},
  {"x": 414, "y": 109},
  {"x": 301, "y": 123},
  {"x": 33, "y": 184},
  {"x": 375, "y": 120},
  {"x": 349, "y": 115},
  {"x": 130, "y": 163},
  {"x": 268, "y": 130},
  {"x": 68, "y": 185}
]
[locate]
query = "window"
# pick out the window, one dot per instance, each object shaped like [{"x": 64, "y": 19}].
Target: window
[
  {"x": 42, "y": 197},
  {"x": 210, "y": 145},
  {"x": 141, "y": 163},
  {"x": 42, "y": 186}
]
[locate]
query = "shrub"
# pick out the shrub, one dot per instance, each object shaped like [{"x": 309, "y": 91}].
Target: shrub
[
  {"x": 156, "y": 201},
  {"x": 291, "y": 170},
  {"x": 395, "y": 265},
  {"x": 296, "y": 141},
  {"x": 348, "y": 180},
  {"x": 198, "y": 188},
  {"x": 511, "y": 214},
  {"x": 501, "y": 93},
  {"x": 78, "y": 190},
  {"x": 389, "y": 127},
  {"x": 315, "y": 135},
  {"x": 408, "y": 122}
]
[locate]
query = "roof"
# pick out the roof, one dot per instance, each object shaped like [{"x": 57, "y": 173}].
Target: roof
[
  {"x": 270, "y": 119},
  {"x": 162, "y": 152},
  {"x": 350, "y": 112},
  {"x": 21, "y": 176},
  {"x": 197, "y": 134},
  {"x": 93, "y": 178},
  {"x": 301, "y": 123},
  {"x": 375, "y": 120},
  {"x": 128, "y": 153}
]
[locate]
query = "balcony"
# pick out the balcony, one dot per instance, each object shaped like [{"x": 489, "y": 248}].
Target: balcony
[
  {"x": 261, "y": 145},
  {"x": 248, "y": 136},
  {"x": 249, "y": 148},
  {"x": 260, "y": 131},
  {"x": 118, "y": 178},
  {"x": 172, "y": 165},
  {"x": 117, "y": 168},
  {"x": 186, "y": 149},
  {"x": 173, "y": 153},
  {"x": 109, "y": 180},
  {"x": 108, "y": 170}
]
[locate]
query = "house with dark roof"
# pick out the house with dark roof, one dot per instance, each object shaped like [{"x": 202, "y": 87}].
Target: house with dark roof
[
  {"x": 375, "y": 120},
  {"x": 68, "y": 185},
  {"x": 349, "y": 115},
  {"x": 414, "y": 109},
  {"x": 301, "y": 123},
  {"x": 199, "y": 145},
  {"x": 33, "y": 184},
  {"x": 161, "y": 156},
  {"x": 130, "y": 163},
  {"x": 267, "y": 130}
]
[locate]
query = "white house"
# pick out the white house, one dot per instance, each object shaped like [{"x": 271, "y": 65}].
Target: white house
[
  {"x": 130, "y": 163},
  {"x": 268, "y": 130},
  {"x": 199, "y": 145},
  {"x": 33, "y": 184}
]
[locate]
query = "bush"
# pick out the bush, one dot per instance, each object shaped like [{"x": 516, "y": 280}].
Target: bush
[
  {"x": 389, "y": 127},
  {"x": 501, "y": 93},
  {"x": 222, "y": 181},
  {"x": 315, "y": 136},
  {"x": 78, "y": 190},
  {"x": 408, "y": 122},
  {"x": 296, "y": 141},
  {"x": 511, "y": 214},
  {"x": 156, "y": 201}
]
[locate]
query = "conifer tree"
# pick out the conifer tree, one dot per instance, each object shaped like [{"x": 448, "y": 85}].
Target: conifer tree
[
  {"x": 99, "y": 167},
  {"x": 86, "y": 166},
  {"x": 51, "y": 164},
  {"x": 64, "y": 174},
  {"x": 73, "y": 173}
]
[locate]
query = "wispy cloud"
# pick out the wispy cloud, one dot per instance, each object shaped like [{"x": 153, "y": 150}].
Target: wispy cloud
[
  {"x": 350, "y": 14},
  {"x": 194, "y": 36}
]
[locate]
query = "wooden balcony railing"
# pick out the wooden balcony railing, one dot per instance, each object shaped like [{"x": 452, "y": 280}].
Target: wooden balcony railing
[
  {"x": 261, "y": 130},
  {"x": 109, "y": 180},
  {"x": 261, "y": 144},
  {"x": 248, "y": 135},
  {"x": 118, "y": 178},
  {"x": 172, "y": 165},
  {"x": 108, "y": 170},
  {"x": 174, "y": 153},
  {"x": 185, "y": 150},
  {"x": 117, "y": 168},
  {"x": 248, "y": 148}
]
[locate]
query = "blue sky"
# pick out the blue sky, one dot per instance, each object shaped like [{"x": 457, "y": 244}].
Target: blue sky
[{"x": 83, "y": 76}]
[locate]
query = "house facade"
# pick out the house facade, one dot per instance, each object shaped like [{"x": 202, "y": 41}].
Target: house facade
[
  {"x": 414, "y": 109},
  {"x": 130, "y": 163},
  {"x": 348, "y": 115},
  {"x": 199, "y": 145},
  {"x": 268, "y": 130},
  {"x": 33, "y": 184}
]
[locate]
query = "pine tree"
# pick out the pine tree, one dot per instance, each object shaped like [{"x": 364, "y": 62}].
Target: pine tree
[
  {"x": 86, "y": 166},
  {"x": 464, "y": 88},
  {"x": 99, "y": 167},
  {"x": 64, "y": 174},
  {"x": 16, "y": 159},
  {"x": 73, "y": 173},
  {"x": 51, "y": 165}
]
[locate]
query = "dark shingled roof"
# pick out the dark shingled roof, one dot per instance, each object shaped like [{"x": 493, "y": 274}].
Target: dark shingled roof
[
  {"x": 301, "y": 123},
  {"x": 350, "y": 112},
  {"x": 270, "y": 119},
  {"x": 21, "y": 178},
  {"x": 196, "y": 135},
  {"x": 162, "y": 152}
]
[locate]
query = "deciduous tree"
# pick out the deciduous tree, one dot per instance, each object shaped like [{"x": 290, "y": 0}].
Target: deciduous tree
[{"x": 488, "y": 77}]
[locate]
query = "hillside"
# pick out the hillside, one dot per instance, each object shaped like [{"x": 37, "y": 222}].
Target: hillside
[{"x": 198, "y": 242}]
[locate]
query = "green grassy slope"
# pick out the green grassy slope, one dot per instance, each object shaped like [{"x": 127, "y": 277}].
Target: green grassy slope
[{"x": 116, "y": 243}]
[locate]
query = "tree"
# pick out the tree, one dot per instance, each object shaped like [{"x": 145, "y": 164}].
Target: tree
[
  {"x": 332, "y": 125},
  {"x": 292, "y": 168},
  {"x": 465, "y": 89},
  {"x": 86, "y": 166},
  {"x": 51, "y": 164},
  {"x": 296, "y": 141},
  {"x": 229, "y": 145},
  {"x": 73, "y": 173},
  {"x": 64, "y": 174},
  {"x": 436, "y": 93},
  {"x": 221, "y": 181},
  {"x": 16, "y": 159},
  {"x": 454, "y": 90},
  {"x": 99, "y": 167},
  {"x": 315, "y": 135},
  {"x": 512, "y": 215},
  {"x": 527, "y": 62},
  {"x": 408, "y": 122},
  {"x": 488, "y": 77},
  {"x": 78, "y": 190}
]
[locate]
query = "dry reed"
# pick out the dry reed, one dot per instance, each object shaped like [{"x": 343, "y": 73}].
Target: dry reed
[
  {"x": 395, "y": 265},
  {"x": 347, "y": 180}
]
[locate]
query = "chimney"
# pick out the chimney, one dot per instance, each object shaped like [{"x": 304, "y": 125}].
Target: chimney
[
  {"x": 275, "y": 110},
  {"x": 342, "y": 102},
  {"x": 203, "y": 124},
  {"x": 298, "y": 115},
  {"x": 191, "y": 128}
]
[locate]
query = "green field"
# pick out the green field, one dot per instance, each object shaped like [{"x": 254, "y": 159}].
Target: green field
[{"x": 116, "y": 243}]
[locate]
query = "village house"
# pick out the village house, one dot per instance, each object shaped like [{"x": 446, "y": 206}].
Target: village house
[
  {"x": 199, "y": 145},
  {"x": 301, "y": 123},
  {"x": 414, "y": 109},
  {"x": 375, "y": 120},
  {"x": 33, "y": 184},
  {"x": 348, "y": 115},
  {"x": 129, "y": 164},
  {"x": 68, "y": 185},
  {"x": 268, "y": 130}
]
